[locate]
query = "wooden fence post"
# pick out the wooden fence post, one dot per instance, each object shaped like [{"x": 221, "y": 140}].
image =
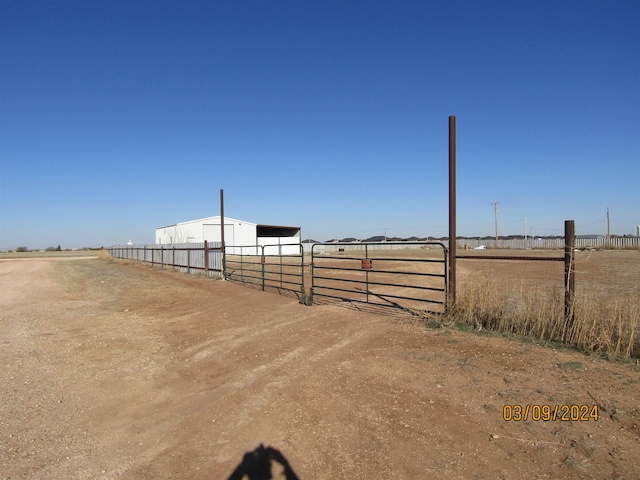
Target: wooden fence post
[{"x": 569, "y": 270}]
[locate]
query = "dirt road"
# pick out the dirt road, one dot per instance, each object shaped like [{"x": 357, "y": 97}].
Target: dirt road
[{"x": 118, "y": 370}]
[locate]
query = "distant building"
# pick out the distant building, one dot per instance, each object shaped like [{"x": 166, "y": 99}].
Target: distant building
[
  {"x": 590, "y": 237},
  {"x": 237, "y": 233}
]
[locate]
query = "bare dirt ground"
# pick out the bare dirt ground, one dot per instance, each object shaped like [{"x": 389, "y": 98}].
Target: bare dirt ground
[{"x": 114, "y": 370}]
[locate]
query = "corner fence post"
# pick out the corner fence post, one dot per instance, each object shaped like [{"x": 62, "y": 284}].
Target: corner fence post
[{"x": 569, "y": 271}]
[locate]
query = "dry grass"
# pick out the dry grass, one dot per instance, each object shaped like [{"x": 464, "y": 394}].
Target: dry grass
[
  {"x": 48, "y": 254},
  {"x": 104, "y": 255},
  {"x": 603, "y": 322}
]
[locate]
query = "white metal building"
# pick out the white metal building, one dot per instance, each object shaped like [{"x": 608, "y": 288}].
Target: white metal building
[{"x": 237, "y": 233}]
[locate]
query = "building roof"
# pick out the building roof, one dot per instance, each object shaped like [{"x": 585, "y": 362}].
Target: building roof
[
  {"x": 232, "y": 220},
  {"x": 208, "y": 219}
]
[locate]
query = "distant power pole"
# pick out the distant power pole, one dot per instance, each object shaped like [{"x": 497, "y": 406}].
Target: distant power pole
[
  {"x": 525, "y": 229},
  {"x": 495, "y": 205},
  {"x": 608, "y": 224}
]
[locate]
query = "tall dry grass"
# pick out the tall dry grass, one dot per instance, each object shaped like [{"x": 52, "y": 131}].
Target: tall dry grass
[
  {"x": 602, "y": 323},
  {"x": 104, "y": 255}
]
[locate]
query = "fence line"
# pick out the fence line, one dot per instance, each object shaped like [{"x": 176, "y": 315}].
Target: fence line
[
  {"x": 552, "y": 243},
  {"x": 616, "y": 243},
  {"x": 203, "y": 258}
]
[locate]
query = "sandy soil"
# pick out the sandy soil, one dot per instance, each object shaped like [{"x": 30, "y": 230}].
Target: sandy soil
[{"x": 114, "y": 370}]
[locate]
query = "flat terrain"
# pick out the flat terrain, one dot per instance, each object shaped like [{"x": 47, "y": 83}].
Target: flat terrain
[{"x": 113, "y": 369}]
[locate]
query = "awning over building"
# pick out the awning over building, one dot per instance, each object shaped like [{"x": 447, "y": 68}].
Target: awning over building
[{"x": 277, "y": 231}]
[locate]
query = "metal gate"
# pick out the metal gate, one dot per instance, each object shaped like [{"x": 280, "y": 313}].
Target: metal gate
[
  {"x": 408, "y": 275},
  {"x": 266, "y": 266}
]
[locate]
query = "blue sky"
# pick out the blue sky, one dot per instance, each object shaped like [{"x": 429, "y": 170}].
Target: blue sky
[{"x": 117, "y": 117}]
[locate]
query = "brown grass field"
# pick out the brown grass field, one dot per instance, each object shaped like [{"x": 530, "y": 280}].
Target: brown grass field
[
  {"x": 520, "y": 297},
  {"x": 527, "y": 298}
]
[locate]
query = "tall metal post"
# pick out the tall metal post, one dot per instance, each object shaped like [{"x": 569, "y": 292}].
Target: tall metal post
[
  {"x": 608, "y": 228},
  {"x": 224, "y": 270},
  {"x": 569, "y": 269},
  {"x": 452, "y": 212}
]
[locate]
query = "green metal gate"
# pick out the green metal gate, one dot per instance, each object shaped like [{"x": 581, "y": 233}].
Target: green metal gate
[
  {"x": 407, "y": 275},
  {"x": 266, "y": 266}
]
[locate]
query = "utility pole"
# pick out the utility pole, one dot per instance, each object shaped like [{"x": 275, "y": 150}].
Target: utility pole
[
  {"x": 222, "y": 245},
  {"x": 525, "y": 230},
  {"x": 495, "y": 205},
  {"x": 608, "y": 225}
]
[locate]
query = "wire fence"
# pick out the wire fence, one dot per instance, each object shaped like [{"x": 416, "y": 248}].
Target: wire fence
[
  {"x": 203, "y": 258},
  {"x": 528, "y": 292},
  {"x": 526, "y": 295},
  {"x": 530, "y": 243}
]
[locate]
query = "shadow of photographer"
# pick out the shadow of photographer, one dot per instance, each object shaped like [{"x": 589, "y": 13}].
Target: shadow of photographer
[{"x": 262, "y": 464}]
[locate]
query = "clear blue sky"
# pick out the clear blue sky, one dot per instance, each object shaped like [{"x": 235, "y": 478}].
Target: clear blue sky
[{"x": 117, "y": 117}]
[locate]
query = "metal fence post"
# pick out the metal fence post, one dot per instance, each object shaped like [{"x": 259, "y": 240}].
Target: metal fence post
[
  {"x": 280, "y": 256},
  {"x": 302, "y": 269},
  {"x": 206, "y": 259},
  {"x": 262, "y": 261},
  {"x": 452, "y": 214},
  {"x": 224, "y": 260},
  {"x": 366, "y": 272}
]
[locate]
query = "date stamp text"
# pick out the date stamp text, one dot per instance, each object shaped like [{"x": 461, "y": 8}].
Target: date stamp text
[{"x": 550, "y": 413}]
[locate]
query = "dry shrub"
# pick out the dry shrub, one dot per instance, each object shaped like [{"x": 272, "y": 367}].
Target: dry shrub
[{"x": 602, "y": 323}]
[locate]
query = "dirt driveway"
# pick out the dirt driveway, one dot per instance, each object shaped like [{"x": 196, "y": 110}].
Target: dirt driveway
[{"x": 118, "y": 370}]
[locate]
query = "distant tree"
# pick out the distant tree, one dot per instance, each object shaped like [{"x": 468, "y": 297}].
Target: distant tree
[
  {"x": 50, "y": 249},
  {"x": 59, "y": 249},
  {"x": 22, "y": 249}
]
